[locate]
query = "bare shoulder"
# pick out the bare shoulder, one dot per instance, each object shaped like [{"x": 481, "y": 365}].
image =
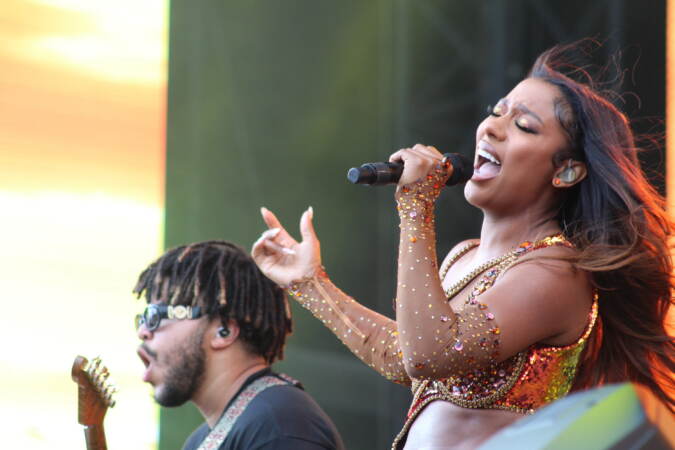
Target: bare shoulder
[
  {"x": 545, "y": 292},
  {"x": 552, "y": 269}
]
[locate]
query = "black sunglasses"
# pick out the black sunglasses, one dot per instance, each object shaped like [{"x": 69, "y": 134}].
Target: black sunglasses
[{"x": 153, "y": 315}]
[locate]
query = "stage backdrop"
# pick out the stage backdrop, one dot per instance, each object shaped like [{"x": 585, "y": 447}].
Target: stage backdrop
[
  {"x": 271, "y": 102},
  {"x": 82, "y": 107}
]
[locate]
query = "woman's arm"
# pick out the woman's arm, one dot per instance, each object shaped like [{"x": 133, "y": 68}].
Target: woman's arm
[
  {"x": 370, "y": 336},
  {"x": 437, "y": 339}
]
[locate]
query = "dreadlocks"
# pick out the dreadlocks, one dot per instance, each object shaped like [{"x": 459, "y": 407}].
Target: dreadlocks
[{"x": 224, "y": 281}]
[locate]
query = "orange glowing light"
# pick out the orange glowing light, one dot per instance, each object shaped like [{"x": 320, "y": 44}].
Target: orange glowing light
[{"x": 81, "y": 206}]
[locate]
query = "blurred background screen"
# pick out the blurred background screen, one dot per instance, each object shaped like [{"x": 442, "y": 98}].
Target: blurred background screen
[{"x": 82, "y": 107}]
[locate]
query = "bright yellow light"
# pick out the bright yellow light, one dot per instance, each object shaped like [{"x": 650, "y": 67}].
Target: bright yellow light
[
  {"x": 128, "y": 44},
  {"x": 118, "y": 61},
  {"x": 71, "y": 261},
  {"x": 81, "y": 155}
]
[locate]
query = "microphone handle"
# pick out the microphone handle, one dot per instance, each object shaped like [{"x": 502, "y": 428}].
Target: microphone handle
[
  {"x": 381, "y": 173},
  {"x": 376, "y": 174}
]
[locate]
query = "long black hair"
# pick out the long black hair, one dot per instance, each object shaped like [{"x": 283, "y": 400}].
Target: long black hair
[{"x": 618, "y": 221}]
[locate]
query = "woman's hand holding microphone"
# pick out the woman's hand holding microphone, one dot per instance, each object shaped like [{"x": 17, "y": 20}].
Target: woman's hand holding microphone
[{"x": 285, "y": 260}]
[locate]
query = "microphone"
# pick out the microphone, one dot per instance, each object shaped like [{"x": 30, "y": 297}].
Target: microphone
[{"x": 380, "y": 173}]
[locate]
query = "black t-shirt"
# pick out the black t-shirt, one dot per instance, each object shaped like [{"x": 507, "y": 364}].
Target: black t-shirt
[{"x": 280, "y": 418}]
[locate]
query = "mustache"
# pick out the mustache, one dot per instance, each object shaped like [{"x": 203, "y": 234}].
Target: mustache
[{"x": 149, "y": 352}]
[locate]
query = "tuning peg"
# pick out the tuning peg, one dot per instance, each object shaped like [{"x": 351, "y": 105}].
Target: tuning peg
[
  {"x": 93, "y": 367},
  {"x": 109, "y": 392},
  {"x": 102, "y": 375}
]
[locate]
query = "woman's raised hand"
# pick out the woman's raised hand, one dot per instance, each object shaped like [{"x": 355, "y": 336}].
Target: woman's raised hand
[
  {"x": 283, "y": 259},
  {"x": 418, "y": 161}
]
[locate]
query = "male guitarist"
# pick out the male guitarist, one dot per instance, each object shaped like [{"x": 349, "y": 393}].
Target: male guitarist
[{"x": 212, "y": 327}]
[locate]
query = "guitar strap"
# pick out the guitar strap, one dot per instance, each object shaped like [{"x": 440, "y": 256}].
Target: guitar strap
[{"x": 236, "y": 408}]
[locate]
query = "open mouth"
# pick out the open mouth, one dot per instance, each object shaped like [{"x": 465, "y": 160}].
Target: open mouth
[
  {"x": 145, "y": 358},
  {"x": 487, "y": 164},
  {"x": 146, "y": 355}
]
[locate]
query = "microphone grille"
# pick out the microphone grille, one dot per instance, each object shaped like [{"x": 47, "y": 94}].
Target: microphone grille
[{"x": 462, "y": 169}]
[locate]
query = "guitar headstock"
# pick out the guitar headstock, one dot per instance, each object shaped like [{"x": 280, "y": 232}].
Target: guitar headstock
[{"x": 95, "y": 393}]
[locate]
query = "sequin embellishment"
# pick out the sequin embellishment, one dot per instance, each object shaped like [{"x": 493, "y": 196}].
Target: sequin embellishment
[{"x": 522, "y": 383}]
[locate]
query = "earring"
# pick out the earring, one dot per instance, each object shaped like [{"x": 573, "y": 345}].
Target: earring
[
  {"x": 223, "y": 332},
  {"x": 568, "y": 175}
]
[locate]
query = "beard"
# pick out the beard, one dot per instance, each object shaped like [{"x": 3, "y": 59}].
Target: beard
[{"x": 185, "y": 372}]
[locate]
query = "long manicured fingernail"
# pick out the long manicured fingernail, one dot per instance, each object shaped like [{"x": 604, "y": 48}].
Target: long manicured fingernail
[
  {"x": 263, "y": 210},
  {"x": 311, "y": 212},
  {"x": 272, "y": 232},
  {"x": 288, "y": 251}
]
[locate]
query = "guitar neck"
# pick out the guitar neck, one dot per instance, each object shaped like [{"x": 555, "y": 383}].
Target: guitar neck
[
  {"x": 94, "y": 397},
  {"x": 95, "y": 437}
]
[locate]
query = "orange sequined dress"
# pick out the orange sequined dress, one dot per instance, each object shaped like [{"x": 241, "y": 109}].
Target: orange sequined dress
[{"x": 523, "y": 383}]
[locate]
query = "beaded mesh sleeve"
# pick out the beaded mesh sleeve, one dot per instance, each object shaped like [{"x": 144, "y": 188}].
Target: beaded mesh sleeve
[
  {"x": 436, "y": 340},
  {"x": 429, "y": 339},
  {"x": 372, "y": 337},
  {"x": 446, "y": 352}
]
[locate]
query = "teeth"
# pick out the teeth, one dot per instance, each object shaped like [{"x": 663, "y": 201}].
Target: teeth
[{"x": 482, "y": 153}]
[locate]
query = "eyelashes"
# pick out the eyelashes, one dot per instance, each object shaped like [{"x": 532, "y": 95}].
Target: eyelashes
[
  {"x": 495, "y": 111},
  {"x": 521, "y": 122}
]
